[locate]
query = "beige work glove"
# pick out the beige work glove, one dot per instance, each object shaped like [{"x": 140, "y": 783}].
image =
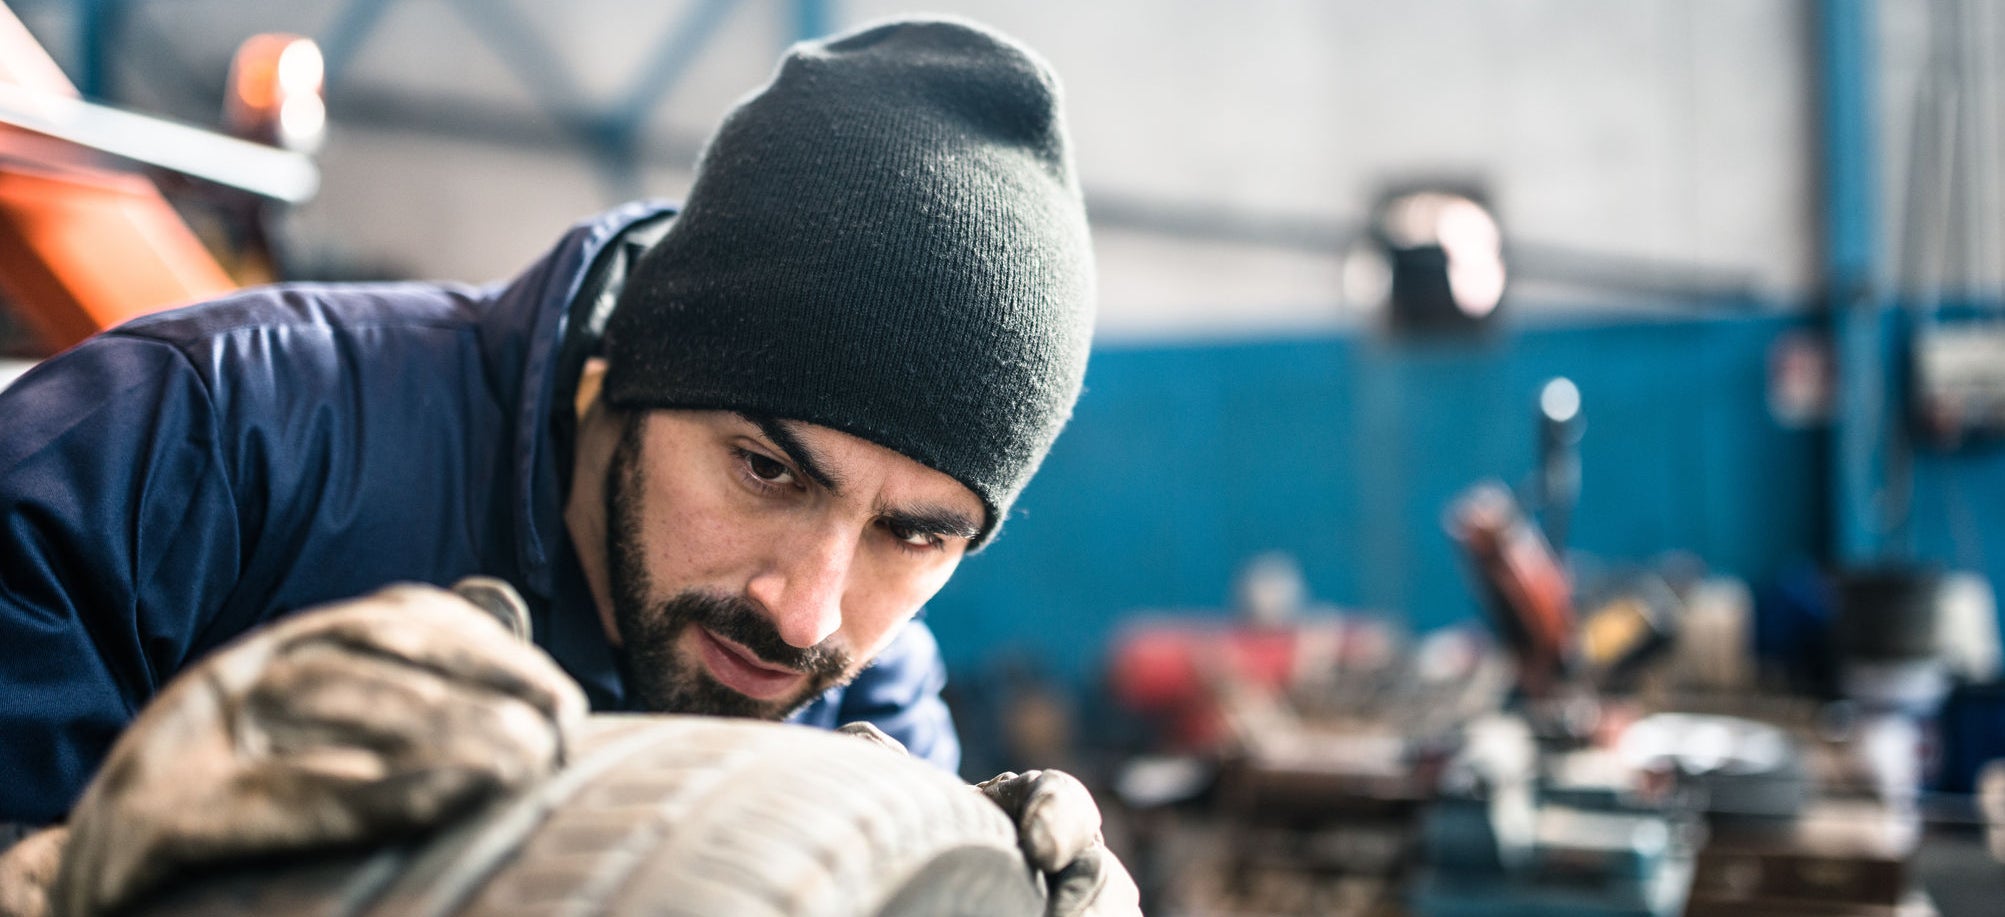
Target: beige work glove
[
  {"x": 27, "y": 870},
  {"x": 362, "y": 721},
  {"x": 1059, "y": 831},
  {"x": 1058, "y": 827}
]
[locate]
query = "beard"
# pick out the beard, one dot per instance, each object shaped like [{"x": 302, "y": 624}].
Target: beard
[{"x": 651, "y": 628}]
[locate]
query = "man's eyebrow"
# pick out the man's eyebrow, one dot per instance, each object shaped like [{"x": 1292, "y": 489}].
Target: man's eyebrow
[
  {"x": 811, "y": 464},
  {"x": 933, "y": 521}
]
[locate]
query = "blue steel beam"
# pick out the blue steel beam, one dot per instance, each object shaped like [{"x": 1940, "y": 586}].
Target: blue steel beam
[
  {"x": 812, "y": 19},
  {"x": 543, "y": 72},
  {"x": 610, "y": 133},
  {"x": 670, "y": 58},
  {"x": 1855, "y": 287},
  {"x": 344, "y": 37},
  {"x": 538, "y": 65},
  {"x": 98, "y": 26}
]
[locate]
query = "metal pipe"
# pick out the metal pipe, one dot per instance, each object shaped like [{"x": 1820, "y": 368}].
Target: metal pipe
[{"x": 344, "y": 37}]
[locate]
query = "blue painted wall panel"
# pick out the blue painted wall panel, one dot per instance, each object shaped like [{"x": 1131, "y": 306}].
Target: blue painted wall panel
[{"x": 1182, "y": 461}]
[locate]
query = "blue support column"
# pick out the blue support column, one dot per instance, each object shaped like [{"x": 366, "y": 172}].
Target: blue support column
[
  {"x": 812, "y": 19},
  {"x": 98, "y": 25},
  {"x": 1855, "y": 284}
]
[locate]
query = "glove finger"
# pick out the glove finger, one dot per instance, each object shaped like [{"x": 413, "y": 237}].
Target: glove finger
[
  {"x": 1095, "y": 884},
  {"x": 325, "y": 710},
  {"x": 496, "y": 597},
  {"x": 870, "y": 733},
  {"x": 320, "y": 793},
  {"x": 303, "y": 802},
  {"x": 1058, "y": 821},
  {"x": 28, "y": 869},
  {"x": 434, "y": 629},
  {"x": 1007, "y": 790}
]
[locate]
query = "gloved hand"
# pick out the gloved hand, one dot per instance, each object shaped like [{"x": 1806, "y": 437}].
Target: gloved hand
[
  {"x": 870, "y": 733},
  {"x": 358, "y": 722},
  {"x": 1058, "y": 826},
  {"x": 27, "y": 870}
]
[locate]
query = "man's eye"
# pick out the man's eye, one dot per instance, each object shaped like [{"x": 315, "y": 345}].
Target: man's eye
[
  {"x": 913, "y": 537},
  {"x": 766, "y": 469}
]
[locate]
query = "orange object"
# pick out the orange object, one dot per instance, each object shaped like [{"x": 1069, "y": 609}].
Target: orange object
[
  {"x": 275, "y": 92},
  {"x": 83, "y": 247},
  {"x": 81, "y": 251}
]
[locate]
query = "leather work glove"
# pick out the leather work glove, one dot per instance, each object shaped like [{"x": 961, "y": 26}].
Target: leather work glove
[
  {"x": 1058, "y": 826},
  {"x": 27, "y": 870},
  {"x": 362, "y": 721},
  {"x": 870, "y": 733}
]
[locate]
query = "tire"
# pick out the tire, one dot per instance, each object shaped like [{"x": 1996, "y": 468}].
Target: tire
[{"x": 677, "y": 816}]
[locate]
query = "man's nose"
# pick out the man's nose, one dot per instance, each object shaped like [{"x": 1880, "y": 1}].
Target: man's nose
[{"x": 803, "y": 585}]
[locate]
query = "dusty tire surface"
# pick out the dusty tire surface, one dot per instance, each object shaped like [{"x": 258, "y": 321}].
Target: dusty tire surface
[{"x": 675, "y": 816}]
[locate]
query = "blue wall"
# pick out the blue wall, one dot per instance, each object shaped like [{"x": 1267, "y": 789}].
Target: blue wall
[{"x": 1182, "y": 461}]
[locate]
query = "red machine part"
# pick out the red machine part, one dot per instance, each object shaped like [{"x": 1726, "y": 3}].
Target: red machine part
[
  {"x": 1174, "y": 670},
  {"x": 1183, "y": 671},
  {"x": 1529, "y": 592}
]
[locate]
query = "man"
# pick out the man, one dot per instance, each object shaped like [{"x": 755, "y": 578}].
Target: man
[{"x": 725, "y": 455}]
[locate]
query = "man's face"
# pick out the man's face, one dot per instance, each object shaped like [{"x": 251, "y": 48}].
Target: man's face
[{"x": 757, "y": 563}]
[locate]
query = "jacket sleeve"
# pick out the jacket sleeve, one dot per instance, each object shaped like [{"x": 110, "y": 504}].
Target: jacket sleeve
[{"x": 118, "y": 539}]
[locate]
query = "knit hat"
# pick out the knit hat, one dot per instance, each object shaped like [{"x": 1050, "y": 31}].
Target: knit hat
[{"x": 887, "y": 240}]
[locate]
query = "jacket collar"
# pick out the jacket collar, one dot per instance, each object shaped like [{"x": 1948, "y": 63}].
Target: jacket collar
[{"x": 528, "y": 324}]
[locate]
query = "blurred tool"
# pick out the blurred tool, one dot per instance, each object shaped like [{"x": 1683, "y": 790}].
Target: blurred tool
[
  {"x": 1715, "y": 649},
  {"x": 1967, "y": 632},
  {"x": 1517, "y": 835},
  {"x": 1839, "y": 858},
  {"x": 1560, "y": 428},
  {"x": 1529, "y": 595},
  {"x": 1887, "y": 633},
  {"x": 1635, "y": 621},
  {"x": 1740, "y": 769},
  {"x": 1308, "y": 743}
]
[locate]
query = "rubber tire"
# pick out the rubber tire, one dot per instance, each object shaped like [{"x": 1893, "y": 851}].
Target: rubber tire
[{"x": 677, "y": 816}]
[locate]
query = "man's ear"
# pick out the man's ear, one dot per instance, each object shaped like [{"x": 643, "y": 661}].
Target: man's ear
[{"x": 591, "y": 380}]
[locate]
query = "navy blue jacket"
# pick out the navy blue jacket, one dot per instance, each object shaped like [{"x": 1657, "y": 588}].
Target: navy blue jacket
[{"x": 172, "y": 483}]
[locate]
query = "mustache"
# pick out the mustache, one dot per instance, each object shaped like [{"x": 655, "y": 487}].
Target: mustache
[{"x": 740, "y": 621}]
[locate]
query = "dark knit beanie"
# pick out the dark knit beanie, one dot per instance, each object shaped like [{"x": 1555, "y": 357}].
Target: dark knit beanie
[{"x": 887, "y": 240}]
